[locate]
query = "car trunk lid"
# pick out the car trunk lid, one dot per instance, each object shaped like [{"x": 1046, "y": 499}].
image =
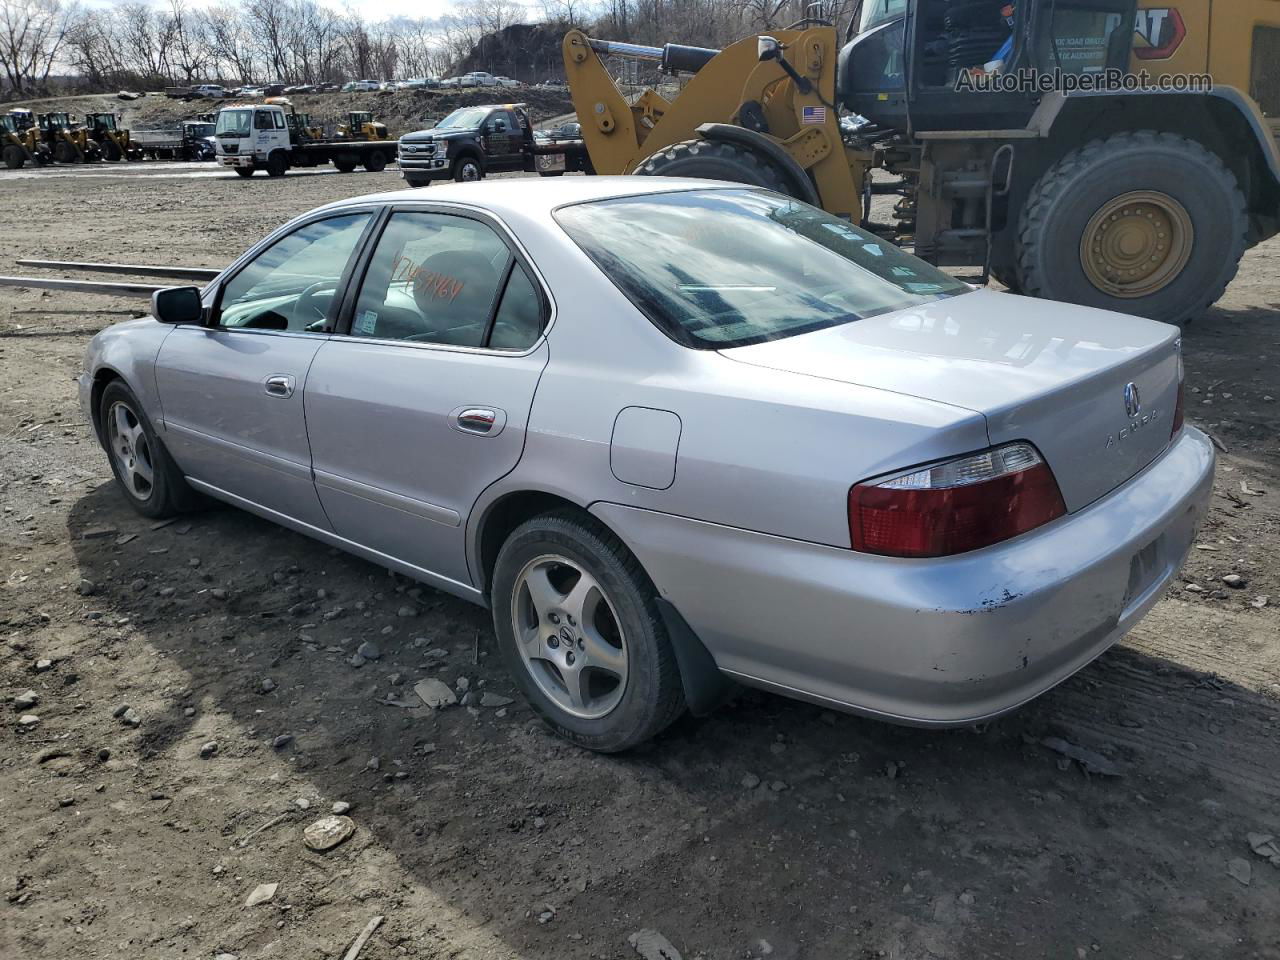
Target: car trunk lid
[{"x": 1094, "y": 391}]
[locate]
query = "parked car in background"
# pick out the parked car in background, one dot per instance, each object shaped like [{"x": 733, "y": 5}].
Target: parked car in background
[
  {"x": 300, "y": 88},
  {"x": 272, "y": 89},
  {"x": 451, "y": 83},
  {"x": 252, "y": 91},
  {"x": 361, "y": 86},
  {"x": 208, "y": 91},
  {"x": 604, "y": 408},
  {"x": 506, "y": 82}
]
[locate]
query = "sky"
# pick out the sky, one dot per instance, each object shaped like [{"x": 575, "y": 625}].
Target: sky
[{"x": 372, "y": 10}]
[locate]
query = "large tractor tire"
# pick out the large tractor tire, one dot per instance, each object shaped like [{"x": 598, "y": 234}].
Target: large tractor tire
[
  {"x": 64, "y": 152},
  {"x": 14, "y": 158},
  {"x": 714, "y": 160},
  {"x": 1146, "y": 223},
  {"x": 111, "y": 153}
]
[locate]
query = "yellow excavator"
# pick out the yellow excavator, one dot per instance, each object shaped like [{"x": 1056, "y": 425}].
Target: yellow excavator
[{"x": 1074, "y": 149}]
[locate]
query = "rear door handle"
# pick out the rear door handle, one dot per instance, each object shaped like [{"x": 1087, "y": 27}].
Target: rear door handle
[
  {"x": 279, "y": 386},
  {"x": 481, "y": 421}
]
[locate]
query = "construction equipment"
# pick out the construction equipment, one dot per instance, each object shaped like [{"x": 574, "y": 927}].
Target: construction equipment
[
  {"x": 68, "y": 142},
  {"x": 113, "y": 142},
  {"x": 1055, "y": 169},
  {"x": 20, "y": 141},
  {"x": 301, "y": 127},
  {"x": 360, "y": 125}
]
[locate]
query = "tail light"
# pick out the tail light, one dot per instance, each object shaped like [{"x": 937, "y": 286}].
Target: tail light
[{"x": 956, "y": 506}]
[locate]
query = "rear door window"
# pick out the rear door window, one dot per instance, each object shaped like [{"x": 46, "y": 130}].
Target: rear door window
[{"x": 444, "y": 279}]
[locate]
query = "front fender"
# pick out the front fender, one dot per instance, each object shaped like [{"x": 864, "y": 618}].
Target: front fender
[{"x": 126, "y": 351}]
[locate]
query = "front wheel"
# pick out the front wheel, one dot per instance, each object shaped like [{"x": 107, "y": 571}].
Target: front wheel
[
  {"x": 14, "y": 158},
  {"x": 111, "y": 153},
  {"x": 244, "y": 171},
  {"x": 415, "y": 184},
  {"x": 715, "y": 160},
  {"x": 579, "y": 630},
  {"x": 467, "y": 170},
  {"x": 1147, "y": 223},
  {"x": 151, "y": 481}
]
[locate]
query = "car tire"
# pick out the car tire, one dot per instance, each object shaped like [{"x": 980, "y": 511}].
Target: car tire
[
  {"x": 551, "y": 173},
  {"x": 150, "y": 480},
  {"x": 375, "y": 162},
  {"x": 14, "y": 158},
  {"x": 467, "y": 170},
  {"x": 245, "y": 171},
  {"x": 1071, "y": 245},
  {"x": 277, "y": 164},
  {"x": 622, "y": 665}
]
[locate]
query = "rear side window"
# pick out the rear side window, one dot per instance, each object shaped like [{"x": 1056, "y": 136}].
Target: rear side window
[
  {"x": 437, "y": 278},
  {"x": 727, "y": 268}
]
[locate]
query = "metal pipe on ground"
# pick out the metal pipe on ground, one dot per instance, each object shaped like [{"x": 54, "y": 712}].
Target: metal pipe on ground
[
  {"x": 134, "y": 269},
  {"x": 84, "y": 286}
]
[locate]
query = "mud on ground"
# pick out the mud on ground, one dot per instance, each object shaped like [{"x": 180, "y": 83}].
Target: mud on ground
[{"x": 769, "y": 829}]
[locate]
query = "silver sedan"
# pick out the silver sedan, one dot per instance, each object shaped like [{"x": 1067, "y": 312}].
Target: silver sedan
[{"x": 676, "y": 434}]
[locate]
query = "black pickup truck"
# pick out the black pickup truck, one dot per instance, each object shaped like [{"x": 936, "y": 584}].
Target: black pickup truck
[{"x": 473, "y": 142}]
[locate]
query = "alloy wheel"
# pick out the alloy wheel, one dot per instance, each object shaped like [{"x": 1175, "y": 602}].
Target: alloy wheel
[
  {"x": 569, "y": 636},
  {"x": 130, "y": 450}
]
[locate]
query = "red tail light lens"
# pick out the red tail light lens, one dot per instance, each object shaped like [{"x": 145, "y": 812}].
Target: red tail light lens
[{"x": 956, "y": 506}]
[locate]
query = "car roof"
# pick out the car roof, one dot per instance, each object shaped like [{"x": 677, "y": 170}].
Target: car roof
[{"x": 535, "y": 196}]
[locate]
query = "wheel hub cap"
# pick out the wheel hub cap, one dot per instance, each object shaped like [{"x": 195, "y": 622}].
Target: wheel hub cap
[
  {"x": 130, "y": 450},
  {"x": 569, "y": 636},
  {"x": 1137, "y": 244}
]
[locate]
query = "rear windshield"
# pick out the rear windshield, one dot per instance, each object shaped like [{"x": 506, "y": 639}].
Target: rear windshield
[{"x": 726, "y": 268}]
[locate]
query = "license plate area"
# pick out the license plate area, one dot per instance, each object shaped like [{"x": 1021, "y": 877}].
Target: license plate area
[{"x": 1146, "y": 568}]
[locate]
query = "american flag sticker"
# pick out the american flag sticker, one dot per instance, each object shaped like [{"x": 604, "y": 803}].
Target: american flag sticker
[{"x": 813, "y": 114}]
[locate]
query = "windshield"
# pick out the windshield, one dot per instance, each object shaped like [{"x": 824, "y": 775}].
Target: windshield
[
  {"x": 727, "y": 268},
  {"x": 875, "y": 12},
  {"x": 234, "y": 123},
  {"x": 468, "y": 118}
]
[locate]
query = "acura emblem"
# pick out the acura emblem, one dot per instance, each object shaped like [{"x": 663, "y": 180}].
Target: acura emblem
[{"x": 1132, "y": 400}]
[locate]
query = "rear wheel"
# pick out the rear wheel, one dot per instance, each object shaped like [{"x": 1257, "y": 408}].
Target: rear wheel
[
  {"x": 345, "y": 163},
  {"x": 715, "y": 160},
  {"x": 14, "y": 158},
  {"x": 1146, "y": 223},
  {"x": 245, "y": 171},
  {"x": 467, "y": 169},
  {"x": 579, "y": 630},
  {"x": 277, "y": 164},
  {"x": 151, "y": 481},
  {"x": 375, "y": 162}
]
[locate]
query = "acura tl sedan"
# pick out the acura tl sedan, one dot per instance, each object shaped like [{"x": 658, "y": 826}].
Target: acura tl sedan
[{"x": 675, "y": 434}]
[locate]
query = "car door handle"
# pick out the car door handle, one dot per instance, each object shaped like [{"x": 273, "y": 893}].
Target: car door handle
[
  {"x": 279, "y": 386},
  {"x": 481, "y": 421}
]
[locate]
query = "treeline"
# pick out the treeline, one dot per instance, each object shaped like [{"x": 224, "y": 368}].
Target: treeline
[{"x": 138, "y": 44}]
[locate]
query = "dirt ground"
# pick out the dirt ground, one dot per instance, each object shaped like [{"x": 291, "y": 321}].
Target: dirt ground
[{"x": 771, "y": 828}]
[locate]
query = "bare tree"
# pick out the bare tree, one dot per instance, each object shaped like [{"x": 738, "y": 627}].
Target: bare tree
[{"x": 32, "y": 35}]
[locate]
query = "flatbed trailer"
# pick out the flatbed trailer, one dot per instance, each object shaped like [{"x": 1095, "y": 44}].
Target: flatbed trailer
[{"x": 259, "y": 137}]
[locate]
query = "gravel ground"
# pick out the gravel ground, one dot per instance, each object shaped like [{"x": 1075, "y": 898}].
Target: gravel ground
[{"x": 198, "y": 706}]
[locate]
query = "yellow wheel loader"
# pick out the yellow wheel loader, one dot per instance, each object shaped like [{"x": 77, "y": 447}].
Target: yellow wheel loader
[
  {"x": 67, "y": 141},
  {"x": 20, "y": 141},
  {"x": 113, "y": 142},
  {"x": 360, "y": 125},
  {"x": 1045, "y": 142}
]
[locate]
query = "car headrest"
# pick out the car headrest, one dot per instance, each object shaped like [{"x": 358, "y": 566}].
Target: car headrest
[{"x": 455, "y": 287}]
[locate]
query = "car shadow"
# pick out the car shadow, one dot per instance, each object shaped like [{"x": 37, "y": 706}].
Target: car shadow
[{"x": 771, "y": 827}]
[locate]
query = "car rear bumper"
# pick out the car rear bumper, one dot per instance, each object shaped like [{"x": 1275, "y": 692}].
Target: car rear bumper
[{"x": 942, "y": 642}]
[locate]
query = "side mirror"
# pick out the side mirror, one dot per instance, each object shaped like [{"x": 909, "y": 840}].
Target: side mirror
[
  {"x": 767, "y": 48},
  {"x": 177, "y": 305}
]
